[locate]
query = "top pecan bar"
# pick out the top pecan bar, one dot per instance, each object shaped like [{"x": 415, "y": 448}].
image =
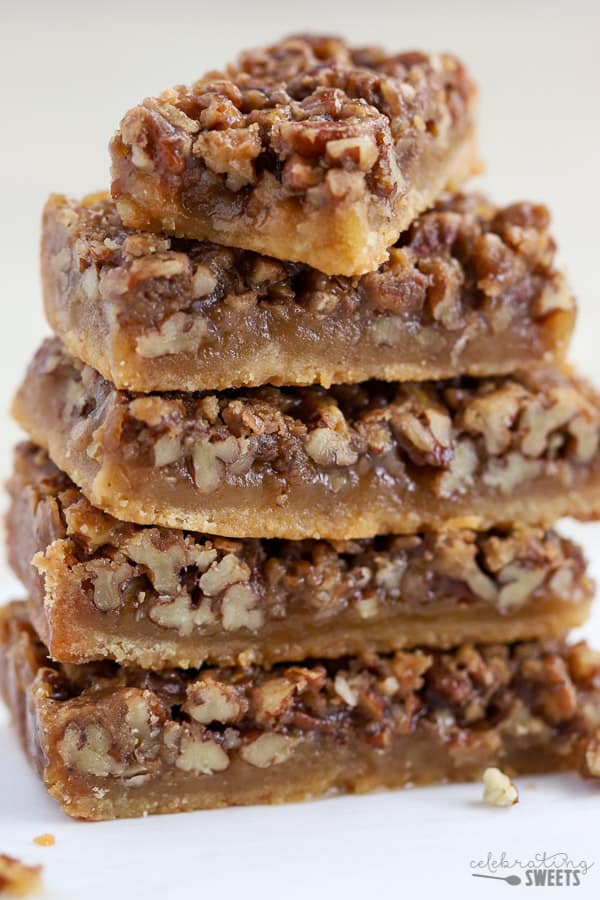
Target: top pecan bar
[{"x": 308, "y": 151}]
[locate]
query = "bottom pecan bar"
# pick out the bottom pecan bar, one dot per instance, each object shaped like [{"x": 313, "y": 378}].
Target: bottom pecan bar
[
  {"x": 159, "y": 597},
  {"x": 111, "y": 741}
]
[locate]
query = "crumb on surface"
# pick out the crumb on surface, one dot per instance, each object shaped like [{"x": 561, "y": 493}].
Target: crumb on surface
[
  {"x": 498, "y": 789},
  {"x": 18, "y": 879},
  {"x": 45, "y": 840}
]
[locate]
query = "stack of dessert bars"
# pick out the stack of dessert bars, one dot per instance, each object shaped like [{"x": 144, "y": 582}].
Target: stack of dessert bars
[{"x": 285, "y": 520}]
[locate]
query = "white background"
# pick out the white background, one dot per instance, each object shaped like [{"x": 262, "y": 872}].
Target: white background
[{"x": 68, "y": 70}]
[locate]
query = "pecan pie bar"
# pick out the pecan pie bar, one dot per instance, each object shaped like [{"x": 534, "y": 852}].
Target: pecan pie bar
[
  {"x": 309, "y": 150},
  {"x": 157, "y": 597},
  {"x": 110, "y": 741},
  {"x": 470, "y": 288},
  {"x": 347, "y": 463}
]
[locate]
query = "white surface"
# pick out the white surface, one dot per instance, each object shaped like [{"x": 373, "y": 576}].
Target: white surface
[{"x": 67, "y": 74}]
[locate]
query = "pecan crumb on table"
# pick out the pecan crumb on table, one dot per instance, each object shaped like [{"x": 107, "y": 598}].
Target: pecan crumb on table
[
  {"x": 45, "y": 840},
  {"x": 498, "y": 789}
]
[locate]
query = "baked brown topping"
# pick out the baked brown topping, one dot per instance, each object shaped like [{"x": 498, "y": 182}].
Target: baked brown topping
[{"x": 318, "y": 115}]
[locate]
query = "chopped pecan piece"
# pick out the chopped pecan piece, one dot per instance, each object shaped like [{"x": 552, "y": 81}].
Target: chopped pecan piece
[{"x": 498, "y": 789}]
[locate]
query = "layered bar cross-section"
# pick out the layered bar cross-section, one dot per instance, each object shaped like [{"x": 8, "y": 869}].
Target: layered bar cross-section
[
  {"x": 470, "y": 288},
  {"x": 350, "y": 462}
]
